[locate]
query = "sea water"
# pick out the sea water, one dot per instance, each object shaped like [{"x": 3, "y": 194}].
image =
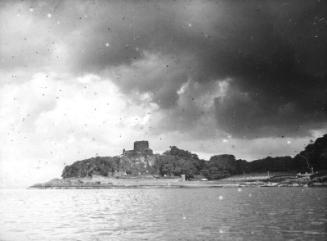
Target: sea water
[{"x": 164, "y": 214}]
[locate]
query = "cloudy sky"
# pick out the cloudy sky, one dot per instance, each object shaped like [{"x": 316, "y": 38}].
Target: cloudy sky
[{"x": 86, "y": 78}]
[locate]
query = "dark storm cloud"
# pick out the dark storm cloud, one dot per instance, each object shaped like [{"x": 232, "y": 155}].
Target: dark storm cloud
[
  {"x": 272, "y": 54},
  {"x": 279, "y": 82}
]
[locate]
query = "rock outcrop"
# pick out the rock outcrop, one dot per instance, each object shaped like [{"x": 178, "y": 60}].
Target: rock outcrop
[{"x": 139, "y": 161}]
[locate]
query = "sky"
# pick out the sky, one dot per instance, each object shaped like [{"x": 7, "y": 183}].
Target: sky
[{"x": 86, "y": 78}]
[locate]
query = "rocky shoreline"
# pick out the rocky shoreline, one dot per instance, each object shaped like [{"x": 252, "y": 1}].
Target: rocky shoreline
[{"x": 153, "y": 182}]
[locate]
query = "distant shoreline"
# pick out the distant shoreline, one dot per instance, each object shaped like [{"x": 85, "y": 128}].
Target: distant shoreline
[{"x": 100, "y": 182}]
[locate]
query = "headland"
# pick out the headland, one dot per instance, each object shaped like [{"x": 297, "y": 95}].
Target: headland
[{"x": 177, "y": 168}]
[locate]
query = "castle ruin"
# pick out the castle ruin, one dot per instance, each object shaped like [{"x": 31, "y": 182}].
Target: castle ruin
[
  {"x": 140, "y": 160},
  {"x": 141, "y": 148}
]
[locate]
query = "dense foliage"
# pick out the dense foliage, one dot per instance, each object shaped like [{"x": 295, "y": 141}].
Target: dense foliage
[
  {"x": 220, "y": 166},
  {"x": 314, "y": 155},
  {"x": 86, "y": 168},
  {"x": 176, "y": 162},
  {"x": 273, "y": 164}
]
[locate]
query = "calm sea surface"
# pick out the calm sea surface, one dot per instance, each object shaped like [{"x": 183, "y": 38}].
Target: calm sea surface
[{"x": 164, "y": 214}]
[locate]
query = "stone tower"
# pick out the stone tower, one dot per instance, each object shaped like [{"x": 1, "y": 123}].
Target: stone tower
[{"x": 141, "y": 146}]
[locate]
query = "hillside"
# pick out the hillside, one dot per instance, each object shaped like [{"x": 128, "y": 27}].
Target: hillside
[{"x": 176, "y": 162}]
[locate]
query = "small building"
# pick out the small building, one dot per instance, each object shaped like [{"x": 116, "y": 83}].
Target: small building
[{"x": 183, "y": 178}]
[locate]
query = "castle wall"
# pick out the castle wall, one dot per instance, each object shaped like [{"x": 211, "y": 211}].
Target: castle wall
[
  {"x": 141, "y": 146},
  {"x": 139, "y": 160}
]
